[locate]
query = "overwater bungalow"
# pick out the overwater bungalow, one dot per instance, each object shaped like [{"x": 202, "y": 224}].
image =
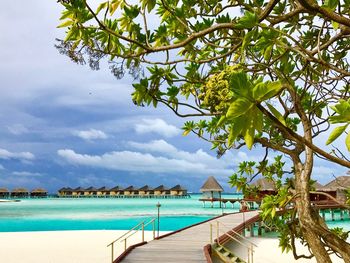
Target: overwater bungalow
[
  {"x": 91, "y": 191},
  {"x": 115, "y": 191},
  {"x": 20, "y": 193},
  {"x": 4, "y": 193},
  {"x": 161, "y": 191},
  {"x": 38, "y": 192},
  {"x": 264, "y": 187},
  {"x": 65, "y": 192},
  {"x": 178, "y": 190},
  {"x": 337, "y": 188},
  {"x": 129, "y": 191},
  {"x": 78, "y": 192},
  {"x": 102, "y": 191},
  {"x": 145, "y": 191}
]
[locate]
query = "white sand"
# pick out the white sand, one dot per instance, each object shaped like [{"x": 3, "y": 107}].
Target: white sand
[
  {"x": 91, "y": 247},
  {"x": 63, "y": 246},
  {"x": 268, "y": 251}
]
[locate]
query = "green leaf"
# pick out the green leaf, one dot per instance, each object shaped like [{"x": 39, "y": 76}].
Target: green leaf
[
  {"x": 347, "y": 142},
  {"x": 277, "y": 114},
  {"x": 336, "y": 133},
  {"x": 186, "y": 132},
  {"x": 248, "y": 21},
  {"x": 238, "y": 108},
  {"x": 66, "y": 23},
  {"x": 235, "y": 130},
  {"x": 266, "y": 90},
  {"x": 102, "y": 6},
  {"x": 331, "y": 4},
  {"x": 249, "y": 137},
  {"x": 240, "y": 83}
]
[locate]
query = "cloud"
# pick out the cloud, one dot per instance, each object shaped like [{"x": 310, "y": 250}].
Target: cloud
[
  {"x": 2, "y": 167},
  {"x": 158, "y": 126},
  {"x": 91, "y": 134},
  {"x": 17, "y": 129},
  {"x": 5, "y": 154},
  {"x": 199, "y": 163},
  {"x": 25, "y": 173}
]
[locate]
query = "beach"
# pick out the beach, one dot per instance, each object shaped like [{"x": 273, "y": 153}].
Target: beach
[
  {"x": 63, "y": 246},
  {"x": 91, "y": 247}
]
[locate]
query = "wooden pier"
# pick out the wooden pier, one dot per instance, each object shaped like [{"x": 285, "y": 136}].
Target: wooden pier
[{"x": 185, "y": 245}]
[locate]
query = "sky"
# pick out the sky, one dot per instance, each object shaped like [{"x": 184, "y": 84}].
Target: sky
[{"x": 63, "y": 124}]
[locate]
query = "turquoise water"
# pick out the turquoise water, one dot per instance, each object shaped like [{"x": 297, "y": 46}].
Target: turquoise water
[
  {"x": 103, "y": 213},
  {"x": 113, "y": 214}
]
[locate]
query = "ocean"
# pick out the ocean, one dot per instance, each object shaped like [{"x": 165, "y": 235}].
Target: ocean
[{"x": 53, "y": 214}]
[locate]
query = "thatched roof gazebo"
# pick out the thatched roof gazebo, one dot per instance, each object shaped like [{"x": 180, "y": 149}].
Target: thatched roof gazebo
[
  {"x": 20, "y": 192},
  {"x": 90, "y": 191},
  {"x": 38, "y": 192},
  {"x": 4, "y": 192},
  {"x": 264, "y": 187},
  {"x": 211, "y": 188},
  {"x": 129, "y": 190}
]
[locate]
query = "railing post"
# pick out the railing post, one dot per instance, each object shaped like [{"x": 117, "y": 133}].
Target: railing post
[
  {"x": 112, "y": 252},
  {"x": 125, "y": 244},
  {"x": 211, "y": 233},
  {"x": 143, "y": 232},
  {"x": 154, "y": 229},
  {"x": 252, "y": 252},
  {"x": 217, "y": 231},
  {"x": 248, "y": 255}
]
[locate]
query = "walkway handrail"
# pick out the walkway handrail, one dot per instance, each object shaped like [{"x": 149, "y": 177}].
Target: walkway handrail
[
  {"x": 132, "y": 229},
  {"x": 233, "y": 231},
  {"x": 127, "y": 235},
  {"x": 143, "y": 225}
]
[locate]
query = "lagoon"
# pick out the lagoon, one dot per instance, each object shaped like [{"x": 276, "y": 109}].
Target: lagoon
[{"x": 53, "y": 214}]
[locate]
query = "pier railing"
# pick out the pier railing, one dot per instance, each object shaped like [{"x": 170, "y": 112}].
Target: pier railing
[
  {"x": 234, "y": 236},
  {"x": 139, "y": 227}
]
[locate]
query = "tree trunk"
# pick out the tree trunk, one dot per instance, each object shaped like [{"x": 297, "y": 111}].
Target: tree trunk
[{"x": 314, "y": 229}]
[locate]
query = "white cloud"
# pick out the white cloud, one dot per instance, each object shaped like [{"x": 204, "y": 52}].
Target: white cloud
[
  {"x": 25, "y": 173},
  {"x": 91, "y": 134},
  {"x": 2, "y": 167},
  {"x": 146, "y": 162},
  {"x": 5, "y": 154},
  {"x": 158, "y": 126},
  {"x": 160, "y": 157}
]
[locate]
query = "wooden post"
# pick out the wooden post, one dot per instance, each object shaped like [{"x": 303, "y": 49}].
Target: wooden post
[
  {"x": 211, "y": 233},
  {"x": 112, "y": 252},
  {"x": 259, "y": 229},
  {"x": 332, "y": 213},
  {"x": 323, "y": 215},
  {"x": 251, "y": 229},
  {"x": 341, "y": 214},
  {"x": 143, "y": 232}
]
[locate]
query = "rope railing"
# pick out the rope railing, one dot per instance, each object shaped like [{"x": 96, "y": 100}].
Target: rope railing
[{"x": 140, "y": 226}]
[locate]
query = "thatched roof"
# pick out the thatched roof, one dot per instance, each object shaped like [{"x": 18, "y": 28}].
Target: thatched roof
[
  {"x": 145, "y": 188},
  {"x": 211, "y": 185},
  {"x": 79, "y": 189},
  {"x": 115, "y": 188},
  {"x": 129, "y": 188},
  {"x": 20, "y": 190},
  {"x": 178, "y": 188},
  {"x": 264, "y": 184},
  {"x": 4, "y": 190},
  {"x": 102, "y": 189},
  {"x": 91, "y": 188},
  {"x": 318, "y": 186},
  {"x": 39, "y": 190},
  {"x": 160, "y": 188},
  {"x": 341, "y": 182}
]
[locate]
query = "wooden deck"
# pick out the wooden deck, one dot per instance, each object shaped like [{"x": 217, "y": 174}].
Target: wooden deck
[{"x": 185, "y": 245}]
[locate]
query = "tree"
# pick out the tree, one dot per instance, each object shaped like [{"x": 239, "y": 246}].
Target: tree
[{"x": 251, "y": 72}]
